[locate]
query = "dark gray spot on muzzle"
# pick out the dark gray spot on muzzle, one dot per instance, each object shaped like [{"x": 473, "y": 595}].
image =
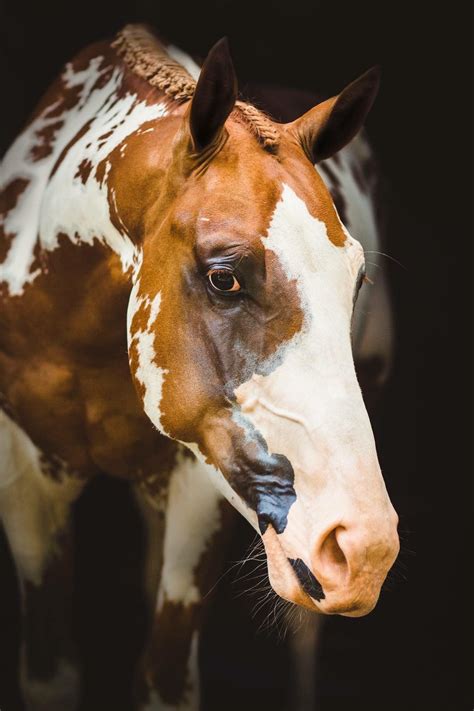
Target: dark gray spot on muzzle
[
  {"x": 265, "y": 480},
  {"x": 307, "y": 580}
]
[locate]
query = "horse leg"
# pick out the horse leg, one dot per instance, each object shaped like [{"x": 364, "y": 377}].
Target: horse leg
[
  {"x": 191, "y": 546},
  {"x": 34, "y": 508}
]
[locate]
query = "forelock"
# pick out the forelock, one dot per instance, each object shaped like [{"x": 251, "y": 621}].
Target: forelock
[{"x": 146, "y": 56}]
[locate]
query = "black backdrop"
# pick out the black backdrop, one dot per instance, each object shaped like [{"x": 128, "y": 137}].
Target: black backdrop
[{"x": 410, "y": 652}]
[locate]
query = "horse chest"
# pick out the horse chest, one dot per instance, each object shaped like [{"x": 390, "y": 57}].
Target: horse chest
[
  {"x": 120, "y": 438},
  {"x": 76, "y": 399},
  {"x": 90, "y": 419}
]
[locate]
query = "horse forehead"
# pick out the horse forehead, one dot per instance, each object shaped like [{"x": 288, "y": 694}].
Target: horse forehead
[
  {"x": 302, "y": 239},
  {"x": 281, "y": 219}
]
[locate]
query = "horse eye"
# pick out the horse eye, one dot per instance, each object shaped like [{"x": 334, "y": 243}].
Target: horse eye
[{"x": 223, "y": 280}]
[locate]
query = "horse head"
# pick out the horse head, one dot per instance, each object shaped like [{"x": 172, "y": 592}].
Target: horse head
[{"x": 239, "y": 331}]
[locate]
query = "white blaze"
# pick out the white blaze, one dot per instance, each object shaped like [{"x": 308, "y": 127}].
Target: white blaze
[
  {"x": 309, "y": 407},
  {"x": 325, "y": 276}
]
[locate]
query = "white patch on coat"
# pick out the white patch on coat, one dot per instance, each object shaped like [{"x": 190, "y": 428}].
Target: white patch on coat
[
  {"x": 148, "y": 373},
  {"x": 192, "y": 518},
  {"x": 222, "y": 485},
  {"x": 33, "y": 508},
  {"x": 62, "y": 203}
]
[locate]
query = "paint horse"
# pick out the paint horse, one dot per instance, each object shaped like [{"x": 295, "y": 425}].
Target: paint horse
[{"x": 177, "y": 297}]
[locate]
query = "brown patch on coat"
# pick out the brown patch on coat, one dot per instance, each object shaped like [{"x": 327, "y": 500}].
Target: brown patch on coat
[
  {"x": 165, "y": 664},
  {"x": 8, "y": 200},
  {"x": 101, "y": 170},
  {"x": 335, "y": 188},
  {"x": 77, "y": 136},
  {"x": 169, "y": 650},
  {"x": 45, "y": 138},
  {"x": 102, "y": 140},
  {"x": 154, "y": 482},
  {"x": 84, "y": 170},
  {"x": 106, "y": 69},
  {"x": 61, "y": 97},
  {"x": 310, "y": 187},
  {"x": 72, "y": 392}
]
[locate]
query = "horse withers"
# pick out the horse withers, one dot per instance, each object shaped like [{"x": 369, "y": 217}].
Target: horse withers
[{"x": 177, "y": 298}]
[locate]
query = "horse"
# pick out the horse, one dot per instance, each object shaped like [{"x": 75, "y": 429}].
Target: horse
[{"x": 178, "y": 309}]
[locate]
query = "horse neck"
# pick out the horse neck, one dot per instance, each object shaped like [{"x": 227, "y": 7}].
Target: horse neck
[{"x": 71, "y": 158}]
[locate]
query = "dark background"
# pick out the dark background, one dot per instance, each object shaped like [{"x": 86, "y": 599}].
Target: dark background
[{"x": 410, "y": 653}]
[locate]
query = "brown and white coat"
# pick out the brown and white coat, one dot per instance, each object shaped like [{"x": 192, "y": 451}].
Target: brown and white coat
[{"x": 130, "y": 196}]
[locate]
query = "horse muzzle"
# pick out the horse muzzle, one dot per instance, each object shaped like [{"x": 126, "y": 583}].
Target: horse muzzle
[{"x": 342, "y": 574}]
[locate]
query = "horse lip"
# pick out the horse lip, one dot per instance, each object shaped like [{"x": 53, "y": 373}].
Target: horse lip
[
  {"x": 283, "y": 577},
  {"x": 307, "y": 579}
]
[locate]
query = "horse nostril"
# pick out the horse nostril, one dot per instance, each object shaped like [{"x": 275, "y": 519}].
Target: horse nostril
[
  {"x": 307, "y": 580},
  {"x": 331, "y": 560}
]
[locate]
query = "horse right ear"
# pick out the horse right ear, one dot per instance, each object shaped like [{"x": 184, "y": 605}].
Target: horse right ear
[
  {"x": 329, "y": 126},
  {"x": 214, "y": 97}
]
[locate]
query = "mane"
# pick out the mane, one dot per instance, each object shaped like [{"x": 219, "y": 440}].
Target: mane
[{"x": 146, "y": 56}]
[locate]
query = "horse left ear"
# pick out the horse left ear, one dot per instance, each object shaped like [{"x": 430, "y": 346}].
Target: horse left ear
[
  {"x": 214, "y": 97},
  {"x": 329, "y": 126}
]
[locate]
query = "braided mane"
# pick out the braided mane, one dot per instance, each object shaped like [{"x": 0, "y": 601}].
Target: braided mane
[{"x": 147, "y": 57}]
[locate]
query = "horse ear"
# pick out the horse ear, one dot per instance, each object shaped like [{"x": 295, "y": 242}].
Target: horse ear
[
  {"x": 329, "y": 126},
  {"x": 214, "y": 96}
]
